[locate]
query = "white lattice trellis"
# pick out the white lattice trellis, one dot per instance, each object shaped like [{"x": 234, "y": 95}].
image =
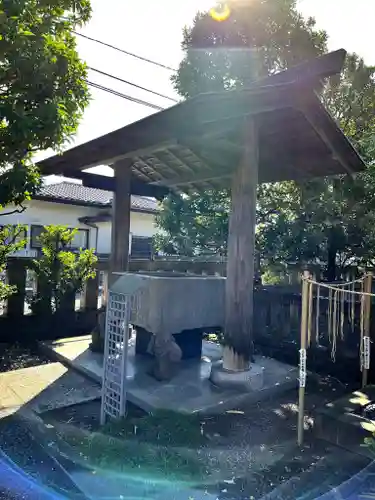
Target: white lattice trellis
[{"x": 115, "y": 355}]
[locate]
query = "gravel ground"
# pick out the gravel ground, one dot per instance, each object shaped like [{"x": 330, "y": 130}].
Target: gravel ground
[{"x": 253, "y": 447}]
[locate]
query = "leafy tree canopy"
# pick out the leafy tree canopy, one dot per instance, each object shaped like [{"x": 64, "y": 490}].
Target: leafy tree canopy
[
  {"x": 325, "y": 221},
  {"x": 42, "y": 86},
  {"x": 270, "y": 34}
]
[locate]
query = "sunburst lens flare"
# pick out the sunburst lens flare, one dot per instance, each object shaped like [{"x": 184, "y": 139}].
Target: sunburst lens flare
[{"x": 220, "y": 13}]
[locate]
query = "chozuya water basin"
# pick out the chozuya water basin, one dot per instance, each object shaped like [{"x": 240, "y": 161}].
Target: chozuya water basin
[{"x": 170, "y": 303}]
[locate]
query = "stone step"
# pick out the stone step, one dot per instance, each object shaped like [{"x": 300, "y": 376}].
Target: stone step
[
  {"x": 328, "y": 472},
  {"x": 343, "y": 421}
]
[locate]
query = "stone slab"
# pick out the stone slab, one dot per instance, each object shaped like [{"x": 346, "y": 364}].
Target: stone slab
[
  {"x": 189, "y": 391},
  {"x": 342, "y": 423},
  {"x": 42, "y": 388}
]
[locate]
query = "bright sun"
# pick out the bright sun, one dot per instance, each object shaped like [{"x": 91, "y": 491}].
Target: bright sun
[{"x": 220, "y": 13}]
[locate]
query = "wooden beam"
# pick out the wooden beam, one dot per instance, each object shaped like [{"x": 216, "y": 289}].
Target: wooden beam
[
  {"x": 120, "y": 219},
  {"x": 220, "y": 146},
  {"x": 193, "y": 179},
  {"x": 239, "y": 105},
  {"x": 238, "y": 329},
  {"x": 312, "y": 70},
  {"x": 137, "y": 187},
  {"x": 181, "y": 165},
  {"x": 196, "y": 168},
  {"x": 72, "y": 161}
]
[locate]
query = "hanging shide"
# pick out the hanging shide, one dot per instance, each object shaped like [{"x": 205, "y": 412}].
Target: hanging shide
[
  {"x": 342, "y": 299},
  {"x": 317, "y": 318},
  {"x": 342, "y": 315},
  {"x": 310, "y": 313}
]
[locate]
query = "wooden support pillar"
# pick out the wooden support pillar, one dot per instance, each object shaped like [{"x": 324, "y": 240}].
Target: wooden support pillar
[
  {"x": 240, "y": 262},
  {"x": 120, "y": 219}
]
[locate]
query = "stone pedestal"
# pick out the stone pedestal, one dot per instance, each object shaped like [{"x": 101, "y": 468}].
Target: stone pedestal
[
  {"x": 189, "y": 341},
  {"x": 247, "y": 380}
]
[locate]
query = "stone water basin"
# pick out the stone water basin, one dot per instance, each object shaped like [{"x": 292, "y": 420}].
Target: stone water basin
[{"x": 184, "y": 305}]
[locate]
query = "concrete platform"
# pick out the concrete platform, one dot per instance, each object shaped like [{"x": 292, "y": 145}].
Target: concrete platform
[
  {"x": 190, "y": 391},
  {"x": 343, "y": 422}
]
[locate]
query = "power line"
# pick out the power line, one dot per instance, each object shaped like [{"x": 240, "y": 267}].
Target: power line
[
  {"x": 126, "y": 52},
  {"x": 133, "y": 84},
  {"x": 124, "y": 96}
]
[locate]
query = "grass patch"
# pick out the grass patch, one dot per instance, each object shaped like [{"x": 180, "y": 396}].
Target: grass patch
[
  {"x": 142, "y": 459},
  {"x": 163, "y": 427}
]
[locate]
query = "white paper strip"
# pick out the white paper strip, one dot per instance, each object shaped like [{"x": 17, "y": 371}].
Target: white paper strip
[
  {"x": 302, "y": 368},
  {"x": 366, "y": 353}
]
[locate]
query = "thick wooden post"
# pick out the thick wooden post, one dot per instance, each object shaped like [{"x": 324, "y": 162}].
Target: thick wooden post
[
  {"x": 240, "y": 262},
  {"x": 120, "y": 219}
]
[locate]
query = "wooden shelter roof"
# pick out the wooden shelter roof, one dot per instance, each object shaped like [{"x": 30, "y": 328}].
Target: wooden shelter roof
[{"x": 198, "y": 143}]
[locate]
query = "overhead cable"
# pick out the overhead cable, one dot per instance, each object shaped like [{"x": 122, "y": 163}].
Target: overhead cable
[
  {"x": 132, "y": 84},
  {"x": 124, "y": 96},
  {"x": 145, "y": 59}
]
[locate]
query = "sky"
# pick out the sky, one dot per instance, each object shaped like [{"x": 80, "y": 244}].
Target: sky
[{"x": 153, "y": 29}]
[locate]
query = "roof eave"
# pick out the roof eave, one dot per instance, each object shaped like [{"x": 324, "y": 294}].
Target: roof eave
[{"x": 81, "y": 203}]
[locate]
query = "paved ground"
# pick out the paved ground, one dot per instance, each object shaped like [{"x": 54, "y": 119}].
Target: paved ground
[{"x": 43, "y": 388}]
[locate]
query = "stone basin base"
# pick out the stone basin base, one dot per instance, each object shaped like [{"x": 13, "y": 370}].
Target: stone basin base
[
  {"x": 247, "y": 380},
  {"x": 189, "y": 341}
]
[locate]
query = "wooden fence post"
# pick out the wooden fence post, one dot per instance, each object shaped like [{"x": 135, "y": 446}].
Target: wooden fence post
[
  {"x": 16, "y": 275},
  {"x": 302, "y": 367},
  {"x": 91, "y": 293},
  {"x": 366, "y": 327}
]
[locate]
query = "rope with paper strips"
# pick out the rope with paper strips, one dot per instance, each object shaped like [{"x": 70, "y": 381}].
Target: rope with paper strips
[{"x": 341, "y": 299}]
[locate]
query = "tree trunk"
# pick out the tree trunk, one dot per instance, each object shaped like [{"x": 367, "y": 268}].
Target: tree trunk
[{"x": 238, "y": 339}]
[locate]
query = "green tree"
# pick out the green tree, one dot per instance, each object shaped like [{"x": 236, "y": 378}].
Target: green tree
[
  {"x": 42, "y": 87},
  {"x": 61, "y": 273},
  {"x": 218, "y": 55},
  {"x": 330, "y": 221},
  {"x": 194, "y": 225},
  {"x": 11, "y": 240}
]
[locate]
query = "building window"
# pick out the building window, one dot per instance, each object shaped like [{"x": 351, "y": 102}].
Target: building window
[
  {"x": 80, "y": 239},
  {"x": 141, "y": 247},
  {"x": 35, "y": 233}
]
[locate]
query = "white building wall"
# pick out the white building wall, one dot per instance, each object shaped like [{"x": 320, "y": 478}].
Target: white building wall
[
  {"x": 141, "y": 224},
  {"x": 45, "y": 213}
]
